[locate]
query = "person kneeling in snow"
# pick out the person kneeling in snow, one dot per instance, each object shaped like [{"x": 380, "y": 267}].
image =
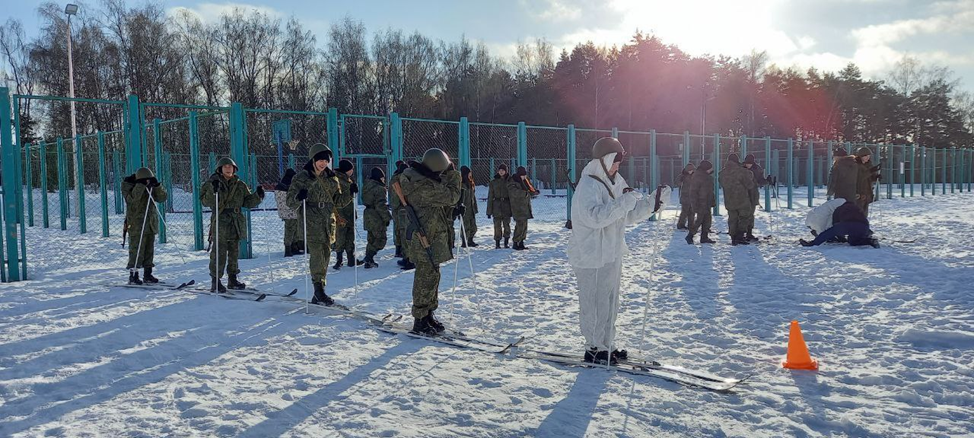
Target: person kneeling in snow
[
  {"x": 847, "y": 220},
  {"x": 819, "y": 218},
  {"x": 601, "y": 208}
]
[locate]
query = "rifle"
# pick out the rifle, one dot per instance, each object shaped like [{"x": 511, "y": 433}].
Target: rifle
[
  {"x": 125, "y": 230},
  {"x": 534, "y": 191},
  {"x": 415, "y": 226},
  {"x": 568, "y": 176}
]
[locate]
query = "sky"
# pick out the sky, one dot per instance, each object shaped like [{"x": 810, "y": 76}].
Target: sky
[{"x": 826, "y": 34}]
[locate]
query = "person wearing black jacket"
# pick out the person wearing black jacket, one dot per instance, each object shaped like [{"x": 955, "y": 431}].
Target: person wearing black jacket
[{"x": 847, "y": 220}]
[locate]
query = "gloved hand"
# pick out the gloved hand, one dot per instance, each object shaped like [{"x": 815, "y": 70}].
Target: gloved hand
[
  {"x": 303, "y": 194},
  {"x": 260, "y": 192},
  {"x": 354, "y": 188},
  {"x": 151, "y": 182},
  {"x": 458, "y": 211},
  {"x": 488, "y": 216},
  {"x": 216, "y": 185}
]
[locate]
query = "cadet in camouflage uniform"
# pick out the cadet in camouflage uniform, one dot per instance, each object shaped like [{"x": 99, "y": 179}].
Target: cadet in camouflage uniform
[
  {"x": 432, "y": 188},
  {"x": 234, "y": 195},
  {"x": 686, "y": 212},
  {"x": 395, "y": 206},
  {"x": 759, "y": 181},
  {"x": 520, "y": 193},
  {"x": 702, "y": 200},
  {"x": 469, "y": 210},
  {"x": 293, "y": 237},
  {"x": 740, "y": 195},
  {"x": 377, "y": 215},
  {"x": 345, "y": 235},
  {"x": 135, "y": 190},
  {"x": 843, "y": 177},
  {"x": 865, "y": 178},
  {"x": 399, "y": 215},
  {"x": 317, "y": 193},
  {"x": 499, "y": 206}
]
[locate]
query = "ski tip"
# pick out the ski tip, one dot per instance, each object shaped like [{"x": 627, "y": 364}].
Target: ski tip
[
  {"x": 261, "y": 297},
  {"x": 293, "y": 292}
]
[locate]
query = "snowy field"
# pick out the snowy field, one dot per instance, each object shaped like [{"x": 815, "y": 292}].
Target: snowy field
[{"x": 893, "y": 330}]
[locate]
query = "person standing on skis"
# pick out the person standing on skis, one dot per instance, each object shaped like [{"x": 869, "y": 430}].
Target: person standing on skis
[
  {"x": 292, "y": 219},
  {"x": 345, "y": 235},
  {"x": 227, "y": 220},
  {"x": 499, "y": 206},
  {"x": 469, "y": 210},
  {"x": 376, "y": 218},
  {"x": 142, "y": 222},
  {"x": 602, "y": 207},
  {"x": 316, "y": 193},
  {"x": 521, "y": 192}
]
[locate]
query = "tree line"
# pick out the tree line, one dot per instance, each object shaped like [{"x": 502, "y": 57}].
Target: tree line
[{"x": 645, "y": 83}]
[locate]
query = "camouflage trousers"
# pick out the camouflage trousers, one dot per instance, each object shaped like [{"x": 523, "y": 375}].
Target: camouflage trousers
[
  {"x": 293, "y": 231},
  {"x": 426, "y": 286},
  {"x": 502, "y": 227},
  {"x": 686, "y": 216},
  {"x": 396, "y": 230},
  {"x": 319, "y": 257},
  {"x": 703, "y": 218},
  {"x": 376, "y": 241},
  {"x": 469, "y": 225},
  {"x": 737, "y": 221},
  {"x": 345, "y": 238},
  {"x": 749, "y": 222},
  {"x": 141, "y": 257},
  {"x": 229, "y": 253},
  {"x": 520, "y": 230}
]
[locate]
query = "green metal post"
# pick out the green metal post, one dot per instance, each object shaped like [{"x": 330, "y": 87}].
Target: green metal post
[
  {"x": 716, "y": 171},
  {"x": 492, "y": 168},
  {"x": 933, "y": 171},
  {"x": 554, "y": 175},
  {"x": 30, "y": 186},
  {"x": 395, "y": 141},
  {"x": 464, "y": 134},
  {"x": 811, "y": 172},
  {"x": 570, "y": 154},
  {"x": 902, "y": 171},
  {"x": 46, "y": 220},
  {"x": 17, "y": 146},
  {"x": 239, "y": 153},
  {"x": 686, "y": 148},
  {"x": 290, "y": 161},
  {"x": 522, "y": 144},
  {"x": 943, "y": 175},
  {"x": 534, "y": 169},
  {"x": 767, "y": 162},
  {"x": 10, "y": 153},
  {"x": 211, "y": 160},
  {"x": 358, "y": 176},
  {"x": 117, "y": 180},
  {"x": 334, "y": 137},
  {"x": 158, "y": 161},
  {"x": 62, "y": 190},
  {"x": 103, "y": 184},
  {"x": 953, "y": 168},
  {"x": 194, "y": 165},
  {"x": 134, "y": 148},
  {"x": 80, "y": 178},
  {"x": 923, "y": 171},
  {"x": 791, "y": 171},
  {"x": 913, "y": 173},
  {"x": 743, "y": 147}
]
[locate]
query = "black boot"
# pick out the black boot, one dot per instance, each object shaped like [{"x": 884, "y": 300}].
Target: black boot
[
  {"x": 408, "y": 266},
  {"x": 297, "y": 248},
  {"x": 370, "y": 261},
  {"x": 351, "y": 260},
  {"x": 421, "y": 326},
  {"x": 749, "y": 236},
  {"x": 232, "y": 282},
  {"x": 705, "y": 238},
  {"x": 620, "y": 355},
  {"x": 217, "y": 286},
  {"x": 134, "y": 276},
  {"x": 463, "y": 242},
  {"x": 398, "y": 251},
  {"x": 289, "y": 250},
  {"x": 522, "y": 246},
  {"x": 804, "y": 242},
  {"x": 439, "y": 327},
  {"x": 147, "y": 277},
  {"x": 471, "y": 243},
  {"x": 506, "y": 239},
  {"x": 497, "y": 244},
  {"x": 338, "y": 261},
  {"x": 599, "y": 357},
  {"x": 320, "y": 297},
  {"x": 689, "y": 238}
]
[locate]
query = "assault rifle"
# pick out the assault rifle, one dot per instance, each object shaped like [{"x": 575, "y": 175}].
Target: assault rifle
[{"x": 415, "y": 226}]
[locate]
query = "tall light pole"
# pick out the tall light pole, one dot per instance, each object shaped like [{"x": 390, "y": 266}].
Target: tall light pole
[{"x": 72, "y": 9}]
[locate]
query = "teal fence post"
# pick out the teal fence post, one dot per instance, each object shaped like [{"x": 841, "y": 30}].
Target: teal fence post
[
  {"x": 464, "y": 134},
  {"x": 534, "y": 169},
  {"x": 134, "y": 145},
  {"x": 211, "y": 161},
  {"x": 686, "y": 148},
  {"x": 902, "y": 170},
  {"x": 239, "y": 153},
  {"x": 791, "y": 171},
  {"x": 194, "y": 164},
  {"x": 743, "y": 147},
  {"x": 10, "y": 158},
  {"x": 953, "y": 168},
  {"x": 103, "y": 184},
  {"x": 653, "y": 171},
  {"x": 933, "y": 171},
  {"x": 30, "y": 186},
  {"x": 46, "y": 221},
  {"x": 716, "y": 171},
  {"x": 117, "y": 180},
  {"x": 811, "y": 172},
  {"x": 913, "y": 173},
  {"x": 522, "y": 144},
  {"x": 158, "y": 165},
  {"x": 395, "y": 142},
  {"x": 570, "y": 154},
  {"x": 767, "y": 164},
  {"x": 333, "y": 133},
  {"x": 923, "y": 171},
  {"x": 943, "y": 174},
  {"x": 61, "y": 189},
  {"x": 290, "y": 161},
  {"x": 17, "y": 146},
  {"x": 358, "y": 176},
  {"x": 554, "y": 174},
  {"x": 80, "y": 183}
]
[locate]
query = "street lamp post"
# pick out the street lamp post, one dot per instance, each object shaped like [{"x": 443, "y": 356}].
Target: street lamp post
[{"x": 72, "y": 9}]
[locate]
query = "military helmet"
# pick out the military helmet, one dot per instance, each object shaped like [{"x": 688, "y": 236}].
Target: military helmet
[
  {"x": 436, "y": 160},
  {"x": 224, "y": 161},
  {"x": 319, "y": 148},
  {"x": 863, "y": 151},
  {"x": 144, "y": 173},
  {"x": 607, "y": 145}
]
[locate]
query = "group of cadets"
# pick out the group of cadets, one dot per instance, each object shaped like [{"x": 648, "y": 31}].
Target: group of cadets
[{"x": 845, "y": 218}]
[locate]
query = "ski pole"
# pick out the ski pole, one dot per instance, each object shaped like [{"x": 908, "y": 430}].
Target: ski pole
[
  {"x": 217, "y": 272},
  {"x": 473, "y": 278},
  {"x": 456, "y": 272},
  {"x": 307, "y": 256},
  {"x": 159, "y": 216},
  {"x": 138, "y": 250}
]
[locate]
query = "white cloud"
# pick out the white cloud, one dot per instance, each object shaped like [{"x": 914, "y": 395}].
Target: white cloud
[
  {"x": 211, "y": 12},
  {"x": 552, "y": 10}
]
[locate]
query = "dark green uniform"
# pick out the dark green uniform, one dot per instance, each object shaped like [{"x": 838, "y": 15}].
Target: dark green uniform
[
  {"x": 844, "y": 179},
  {"x": 293, "y": 236},
  {"x": 433, "y": 196},
  {"x": 499, "y": 206},
  {"x": 759, "y": 181},
  {"x": 702, "y": 200},
  {"x": 520, "y": 196},
  {"x": 137, "y": 211},
  {"x": 740, "y": 196},
  {"x": 234, "y": 195},
  {"x": 324, "y": 195},
  {"x": 398, "y": 220},
  {"x": 469, "y": 197},
  {"x": 345, "y": 234},
  {"x": 686, "y": 212},
  {"x": 377, "y": 216}
]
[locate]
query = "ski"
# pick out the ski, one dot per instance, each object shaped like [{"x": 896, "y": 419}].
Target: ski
[
  {"x": 156, "y": 286},
  {"x": 897, "y": 241},
  {"x": 449, "y": 339},
  {"x": 228, "y": 295},
  {"x": 252, "y": 291}
]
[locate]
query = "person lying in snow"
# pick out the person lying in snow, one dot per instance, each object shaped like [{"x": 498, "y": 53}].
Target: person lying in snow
[
  {"x": 848, "y": 221},
  {"x": 602, "y": 207},
  {"x": 819, "y": 218}
]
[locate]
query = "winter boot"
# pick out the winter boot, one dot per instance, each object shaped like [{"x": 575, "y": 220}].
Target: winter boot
[
  {"x": 742, "y": 239},
  {"x": 506, "y": 239},
  {"x": 471, "y": 243},
  {"x": 408, "y": 266},
  {"x": 288, "y": 250},
  {"x": 463, "y": 242},
  {"x": 804, "y": 242},
  {"x": 398, "y": 251},
  {"x": 351, "y": 260},
  {"x": 517, "y": 246},
  {"x": 147, "y": 277},
  {"x": 497, "y": 244},
  {"x": 874, "y": 242},
  {"x": 681, "y": 227},
  {"x": 298, "y": 248},
  {"x": 522, "y": 246},
  {"x": 599, "y": 357},
  {"x": 232, "y": 282},
  {"x": 217, "y": 286},
  {"x": 134, "y": 276},
  {"x": 689, "y": 238},
  {"x": 620, "y": 355},
  {"x": 370, "y": 261},
  {"x": 421, "y": 326},
  {"x": 338, "y": 261},
  {"x": 320, "y": 297},
  {"x": 750, "y": 236},
  {"x": 432, "y": 322},
  {"x": 705, "y": 238}
]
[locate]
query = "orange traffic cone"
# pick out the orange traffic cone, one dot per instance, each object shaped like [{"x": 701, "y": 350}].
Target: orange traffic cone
[{"x": 798, "y": 357}]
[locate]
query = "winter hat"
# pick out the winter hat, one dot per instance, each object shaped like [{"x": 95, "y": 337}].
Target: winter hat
[
  {"x": 464, "y": 172},
  {"x": 345, "y": 166},
  {"x": 503, "y": 167},
  {"x": 377, "y": 174},
  {"x": 689, "y": 167},
  {"x": 401, "y": 166},
  {"x": 733, "y": 158},
  {"x": 705, "y": 165},
  {"x": 840, "y": 152},
  {"x": 863, "y": 151},
  {"x": 749, "y": 159},
  {"x": 522, "y": 171}
]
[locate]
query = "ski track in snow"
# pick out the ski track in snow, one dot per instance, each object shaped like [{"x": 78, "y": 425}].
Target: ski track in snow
[{"x": 891, "y": 329}]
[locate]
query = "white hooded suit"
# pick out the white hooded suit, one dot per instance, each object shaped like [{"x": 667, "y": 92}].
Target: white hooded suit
[
  {"x": 600, "y": 214},
  {"x": 819, "y": 218}
]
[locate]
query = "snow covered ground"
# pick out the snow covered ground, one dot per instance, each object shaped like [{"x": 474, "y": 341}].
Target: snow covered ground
[{"x": 893, "y": 330}]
